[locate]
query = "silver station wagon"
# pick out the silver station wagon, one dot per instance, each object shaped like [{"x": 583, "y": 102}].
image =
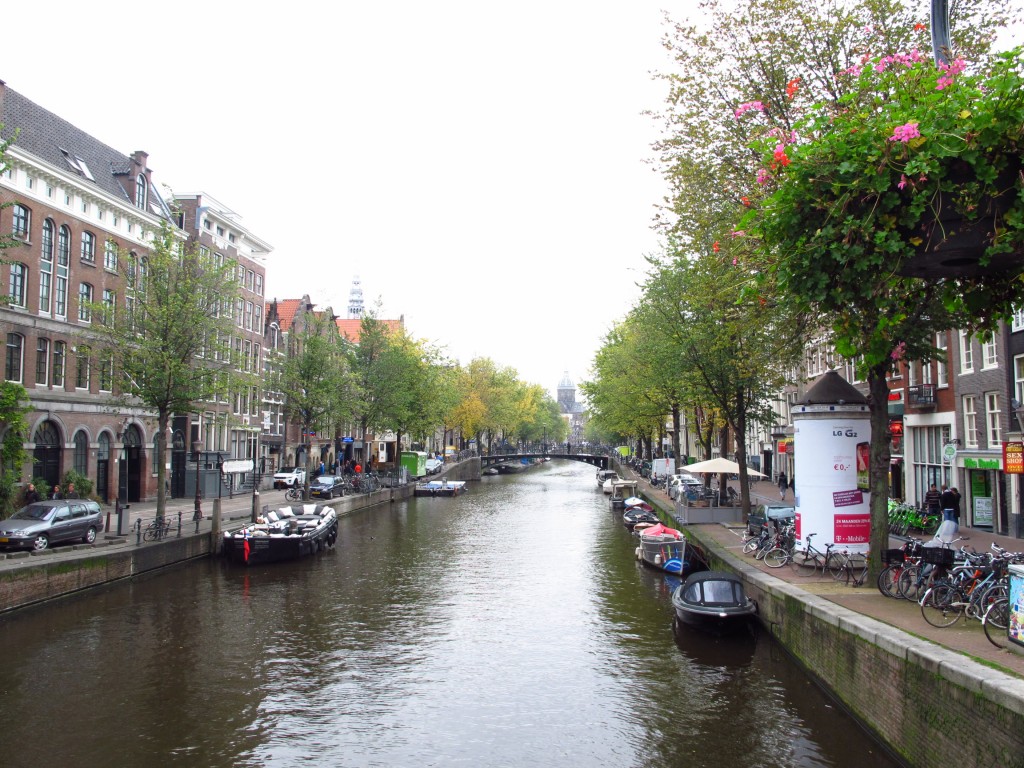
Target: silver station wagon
[{"x": 43, "y": 523}]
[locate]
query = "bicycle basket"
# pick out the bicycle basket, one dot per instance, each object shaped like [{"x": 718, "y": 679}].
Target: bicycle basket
[
  {"x": 892, "y": 556},
  {"x": 938, "y": 556}
]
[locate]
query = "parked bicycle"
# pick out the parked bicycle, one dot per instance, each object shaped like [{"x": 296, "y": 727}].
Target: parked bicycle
[
  {"x": 811, "y": 559},
  {"x": 158, "y": 529},
  {"x": 293, "y": 494}
]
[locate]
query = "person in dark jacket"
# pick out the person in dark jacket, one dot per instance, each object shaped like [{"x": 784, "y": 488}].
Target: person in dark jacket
[
  {"x": 72, "y": 493},
  {"x": 32, "y": 495},
  {"x": 783, "y": 485},
  {"x": 55, "y": 493},
  {"x": 948, "y": 502}
]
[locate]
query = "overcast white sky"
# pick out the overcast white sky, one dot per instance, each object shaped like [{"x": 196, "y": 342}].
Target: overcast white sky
[{"x": 478, "y": 165}]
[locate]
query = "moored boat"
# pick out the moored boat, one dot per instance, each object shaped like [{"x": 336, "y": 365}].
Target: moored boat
[
  {"x": 713, "y": 600},
  {"x": 663, "y": 548},
  {"x": 637, "y": 516},
  {"x": 287, "y": 533},
  {"x": 603, "y": 475},
  {"x": 622, "y": 490},
  {"x": 440, "y": 488}
]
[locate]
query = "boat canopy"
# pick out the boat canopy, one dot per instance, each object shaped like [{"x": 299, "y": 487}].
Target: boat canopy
[{"x": 661, "y": 530}]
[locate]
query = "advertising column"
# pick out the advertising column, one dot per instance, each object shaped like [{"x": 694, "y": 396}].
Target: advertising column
[{"x": 832, "y": 434}]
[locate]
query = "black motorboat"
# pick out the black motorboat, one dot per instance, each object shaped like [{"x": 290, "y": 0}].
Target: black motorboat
[
  {"x": 287, "y": 533},
  {"x": 713, "y": 600},
  {"x": 637, "y": 515}
]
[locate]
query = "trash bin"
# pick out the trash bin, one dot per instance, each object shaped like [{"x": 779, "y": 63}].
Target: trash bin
[
  {"x": 123, "y": 519},
  {"x": 1015, "y": 625}
]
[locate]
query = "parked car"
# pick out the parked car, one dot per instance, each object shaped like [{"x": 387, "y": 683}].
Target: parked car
[
  {"x": 327, "y": 487},
  {"x": 678, "y": 483},
  {"x": 43, "y": 523},
  {"x": 434, "y": 466},
  {"x": 287, "y": 477},
  {"x": 764, "y": 513}
]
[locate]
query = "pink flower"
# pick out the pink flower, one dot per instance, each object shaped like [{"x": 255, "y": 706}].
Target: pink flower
[
  {"x": 763, "y": 177},
  {"x": 739, "y": 233},
  {"x": 747, "y": 106},
  {"x": 735, "y": 261},
  {"x": 951, "y": 70},
  {"x": 903, "y": 181},
  {"x": 905, "y": 133}
]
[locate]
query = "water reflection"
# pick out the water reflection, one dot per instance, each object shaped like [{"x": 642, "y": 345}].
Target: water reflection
[{"x": 510, "y": 626}]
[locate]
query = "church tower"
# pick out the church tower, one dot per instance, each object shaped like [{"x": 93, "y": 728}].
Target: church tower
[
  {"x": 566, "y": 394},
  {"x": 355, "y": 299}
]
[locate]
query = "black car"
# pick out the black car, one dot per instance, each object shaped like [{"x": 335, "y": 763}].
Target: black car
[
  {"x": 327, "y": 487},
  {"x": 763, "y": 513}
]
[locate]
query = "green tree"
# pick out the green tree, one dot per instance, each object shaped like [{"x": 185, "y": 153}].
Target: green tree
[
  {"x": 315, "y": 378},
  {"x": 166, "y": 347},
  {"x": 14, "y": 409}
]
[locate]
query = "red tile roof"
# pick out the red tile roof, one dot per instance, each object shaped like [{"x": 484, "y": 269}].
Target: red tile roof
[{"x": 349, "y": 327}]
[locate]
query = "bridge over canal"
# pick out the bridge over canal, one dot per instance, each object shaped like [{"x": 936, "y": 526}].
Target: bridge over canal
[{"x": 601, "y": 462}]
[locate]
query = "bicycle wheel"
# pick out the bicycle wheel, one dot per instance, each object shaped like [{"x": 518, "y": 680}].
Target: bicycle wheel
[
  {"x": 995, "y": 621},
  {"x": 751, "y": 546},
  {"x": 835, "y": 564},
  {"x": 910, "y": 582},
  {"x": 942, "y": 605},
  {"x": 776, "y": 557},
  {"x": 888, "y": 580},
  {"x": 807, "y": 563},
  {"x": 149, "y": 534}
]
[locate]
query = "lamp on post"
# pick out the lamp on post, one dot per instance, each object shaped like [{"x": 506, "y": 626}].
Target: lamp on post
[
  {"x": 197, "y": 450},
  {"x": 257, "y": 471}
]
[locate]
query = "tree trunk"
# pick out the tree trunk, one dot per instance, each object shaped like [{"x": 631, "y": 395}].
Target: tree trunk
[
  {"x": 741, "y": 450},
  {"x": 879, "y": 503},
  {"x": 675, "y": 435}
]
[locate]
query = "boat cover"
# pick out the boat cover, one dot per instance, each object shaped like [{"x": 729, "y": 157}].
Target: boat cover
[{"x": 661, "y": 530}]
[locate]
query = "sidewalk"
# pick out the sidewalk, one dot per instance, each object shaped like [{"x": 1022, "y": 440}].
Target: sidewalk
[{"x": 966, "y": 636}]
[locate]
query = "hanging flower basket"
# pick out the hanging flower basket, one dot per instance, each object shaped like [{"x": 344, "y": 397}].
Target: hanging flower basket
[
  {"x": 915, "y": 171},
  {"x": 953, "y": 244}
]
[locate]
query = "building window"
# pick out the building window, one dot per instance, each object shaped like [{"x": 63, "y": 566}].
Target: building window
[
  {"x": 59, "y": 358},
  {"x": 64, "y": 246},
  {"x": 22, "y": 220},
  {"x": 88, "y": 247},
  {"x": 926, "y": 373},
  {"x": 140, "y": 191},
  {"x": 966, "y": 354},
  {"x": 15, "y": 352},
  {"x": 81, "y": 453},
  {"x": 60, "y": 296},
  {"x": 46, "y": 252},
  {"x": 1017, "y": 324},
  {"x": 989, "y": 355},
  {"x": 109, "y": 305},
  {"x": 16, "y": 285},
  {"x": 970, "y": 422},
  {"x": 912, "y": 373},
  {"x": 84, "y": 300},
  {"x": 992, "y": 419},
  {"x": 942, "y": 360},
  {"x": 110, "y": 256},
  {"x": 257, "y": 322},
  {"x": 107, "y": 373},
  {"x": 259, "y": 284},
  {"x": 82, "y": 367},
  {"x": 42, "y": 362},
  {"x": 248, "y": 315}
]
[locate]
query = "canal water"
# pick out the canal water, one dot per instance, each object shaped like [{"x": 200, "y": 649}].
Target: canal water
[{"x": 511, "y": 626}]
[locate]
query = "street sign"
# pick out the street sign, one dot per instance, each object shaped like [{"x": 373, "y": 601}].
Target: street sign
[{"x": 237, "y": 465}]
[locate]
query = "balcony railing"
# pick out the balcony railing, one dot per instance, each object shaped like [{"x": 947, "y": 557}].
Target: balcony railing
[{"x": 921, "y": 396}]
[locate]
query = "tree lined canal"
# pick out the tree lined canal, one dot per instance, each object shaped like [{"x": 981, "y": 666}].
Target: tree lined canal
[{"x": 510, "y": 626}]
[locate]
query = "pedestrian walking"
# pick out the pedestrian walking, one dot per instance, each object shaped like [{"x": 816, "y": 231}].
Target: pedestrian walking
[
  {"x": 31, "y": 494},
  {"x": 956, "y": 506},
  {"x": 783, "y": 485}
]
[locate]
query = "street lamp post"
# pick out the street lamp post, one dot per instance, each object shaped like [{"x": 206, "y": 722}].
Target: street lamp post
[{"x": 257, "y": 472}]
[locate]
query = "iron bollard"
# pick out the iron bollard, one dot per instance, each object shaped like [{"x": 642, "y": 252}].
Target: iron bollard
[
  {"x": 197, "y": 516},
  {"x": 138, "y": 532},
  {"x": 179, "y": 523}
]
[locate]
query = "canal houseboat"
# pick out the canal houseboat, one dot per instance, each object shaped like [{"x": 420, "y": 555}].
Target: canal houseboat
[
  {"x": 440, "y": 488},
  {"x": 287, "y": 533}
]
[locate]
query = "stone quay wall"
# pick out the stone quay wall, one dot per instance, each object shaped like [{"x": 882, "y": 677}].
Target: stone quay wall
[{"x": 931, "y": 706}]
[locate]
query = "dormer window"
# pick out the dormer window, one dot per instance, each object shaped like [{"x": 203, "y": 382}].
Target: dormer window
[
  {"x": 140, "y": 191},
  {"x": 77, "y": 164}
]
